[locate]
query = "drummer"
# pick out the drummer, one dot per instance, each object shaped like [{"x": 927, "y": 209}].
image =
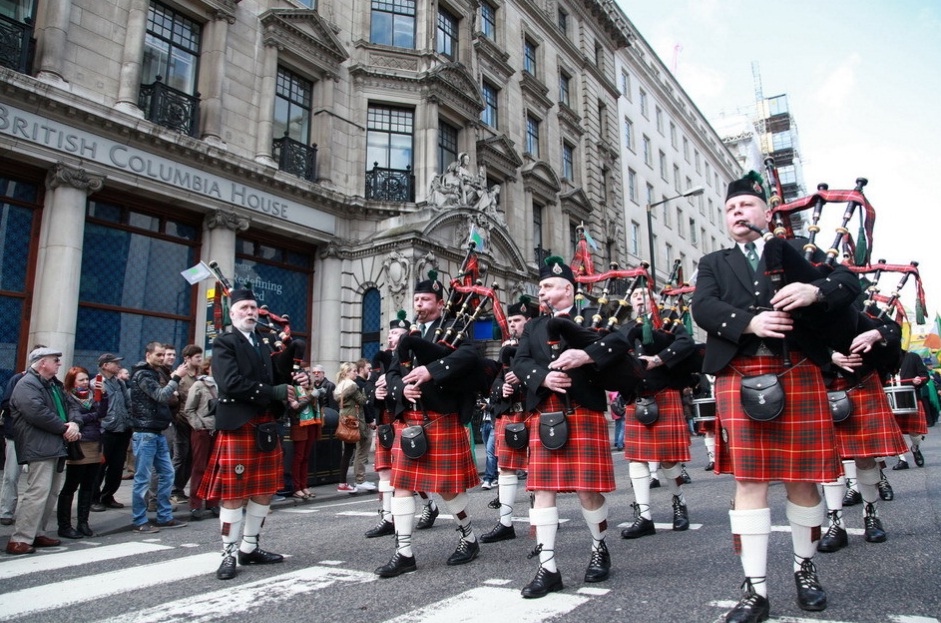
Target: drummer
[{"x": 913, "y": 373}]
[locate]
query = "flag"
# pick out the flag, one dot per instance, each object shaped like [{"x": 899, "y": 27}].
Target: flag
[
  {"x": 906, "y": 333},
  {"x": 933, "y": 339},
  {"x": 197, "y": 273},
  {"x": 476, "y": 238}
]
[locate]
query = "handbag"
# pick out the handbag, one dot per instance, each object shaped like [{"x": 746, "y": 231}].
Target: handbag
[
  {"x": 762, "y": 397},
  {"x": 266, "y": 436},
  {"x": 73, "y": 451},
  {"x": 841, "y": 405},
  {"x": 385, "y": 433},
  {"x": 646, "y": 410},
  {"x": 553, "y": 429},
  {"x": 348, "y": 429},
  {"x": 516, "y": 435}
]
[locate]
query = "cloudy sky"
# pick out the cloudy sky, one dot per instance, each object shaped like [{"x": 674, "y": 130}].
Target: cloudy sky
[{"x": 862, "y": 79}]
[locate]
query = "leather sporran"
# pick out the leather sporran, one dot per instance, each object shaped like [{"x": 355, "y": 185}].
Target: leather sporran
[
  {"x": 553, "y": 429},
  {"x": 266, "y": 436},
  {"x": 385, "y": 433},
  {"x": 348, "y": 429},
  {"x": 646, "y": 410},
  {"x": 762, "y": 397},
  {"x": 414, "y": 442},
  {"x": 516, "y": 435},
  {"x": 841, "y": 405}
]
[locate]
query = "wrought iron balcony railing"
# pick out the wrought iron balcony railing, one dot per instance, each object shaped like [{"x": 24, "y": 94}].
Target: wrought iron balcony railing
[
  {"x": 296, "y": 158},
  {"x": 541, "y": 255},
  {"x": 169, "y": 107},
  {"x": 17, "y": 44},
  {"x": 396, "y": 185}
]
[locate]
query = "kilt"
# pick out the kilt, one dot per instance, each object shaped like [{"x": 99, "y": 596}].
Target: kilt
[
  {"x": 797, "y": 446},
  {"x": 237, "y": 470},
  {"x": 667, "y": 439},
  {"x": 383, "y": 456},
  {"x": 871, "y": 431},
  {"x": 913, "y": 423},
  {"x": 704, "y": 428},
  {"x": 582, "y": 464},
  {"x": 447, "y": 466},
  {"x": 509, "y": 459}
]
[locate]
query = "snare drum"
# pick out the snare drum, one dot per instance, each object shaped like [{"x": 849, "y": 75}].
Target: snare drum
[
  {"x": 902, "y": 399},
  {"x": 705, "y": 409}
]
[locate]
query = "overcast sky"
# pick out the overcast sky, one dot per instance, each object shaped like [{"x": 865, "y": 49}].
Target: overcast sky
[{"x": 863, "y": 80}]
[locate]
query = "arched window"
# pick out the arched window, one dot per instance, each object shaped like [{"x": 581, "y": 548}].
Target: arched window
[{"x": 372, "y": 311}]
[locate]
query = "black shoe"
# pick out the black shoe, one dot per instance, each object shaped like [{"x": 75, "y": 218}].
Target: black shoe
[
  {"x": 494, "y": 503},
  {"x": 384, "y": 528},
  {"x": 834, "y": 540},
  {"x": 544, "y": 583},
  {"x": 810, "y": 595},
  {"x": 640, "y": 527},
  {"x": 259, "y": 557},
  {"x": 685, "y": 476},
  {"x": 751, "y": 608},
  {"x": 427, "y": 519},
  {"x": 680, "y": 515},
  {"x": 226, "y": 570},
  {"x": 85, "y": 529},
  {"x": 198, "y": 514},
  {"x": 98, "y": 508},
  {"x": 919, "y": 457},
  {"x": 902, "y": 464},
  {"x": 710, "y": 466},
  {"x": 466, "y": 551},
  {"x": 874, "y": 533},
  {"x": 499, "y": 533},
  {"x": 654, "y": 483},
  {"x": 885, "y": 489},
  {"x": 111, "y": 503},
  {"x": 397, "y": 566},
  {"x": 599, "y": 565},
  {"x": 852, "y": 498},
  {"x": 68, "y": 532}
]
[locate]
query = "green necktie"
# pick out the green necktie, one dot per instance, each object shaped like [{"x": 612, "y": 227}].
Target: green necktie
[
  {"x": 421, "y": 329},
  {"x": 751, "y": 255}
]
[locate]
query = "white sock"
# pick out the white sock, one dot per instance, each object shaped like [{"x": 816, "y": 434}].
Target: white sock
[
  {"x": 597, "y": 521},
  {"x": 868, "y": 479},
  {"x": 230, "y": 524},
  {"x": 805, "y": 524},
  {"x": 654, "y": 467},
  {"x": 833, "y": 494},
  {"x": 674, "y": 481},
  {"x": 710, "y": 443},
  {"x": 849, "y": 469},
  {"x": 427, "y": 500},
  {"x": 546, "y": 521},
  {"x": 506, "y": 486},
  {"x": 403, "y": 516},
  {"x": 640, "y": 478},
  {"x": 752, "y": 529},
  {"x": 254, "y": 519},
  {"x": 457, "y": 506},
  {"x": 908, "y": 444},
  {"x": 385, "y": 494}
]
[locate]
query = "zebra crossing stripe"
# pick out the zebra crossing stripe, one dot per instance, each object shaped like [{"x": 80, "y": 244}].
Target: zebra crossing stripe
[
  {"x": 466, "y": 607},
  {"x": 91, "y": 587},
  {"x": 257, "y": 595},
  {"x": 48, "y": 562}
]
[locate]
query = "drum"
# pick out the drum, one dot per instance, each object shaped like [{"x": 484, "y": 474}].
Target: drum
[
  {"x": 902, "y": 399},
  {"x": 705, "y": 409}
]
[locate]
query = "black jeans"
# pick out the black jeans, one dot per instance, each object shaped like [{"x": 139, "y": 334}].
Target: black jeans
[
  {"x": 182, "y": 457},
  {"x": 108, "y": 481}
]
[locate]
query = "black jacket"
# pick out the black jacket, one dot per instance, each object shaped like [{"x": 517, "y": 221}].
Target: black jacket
[
  {"x": 673, "y": 348},
  {"x": 150, "y": 402},
  {"x": 246, "y": 380}
]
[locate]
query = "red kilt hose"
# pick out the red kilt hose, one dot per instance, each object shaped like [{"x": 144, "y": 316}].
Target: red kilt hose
[
  {"x": 798, "y": 446},
  {"x": 447, "y": 466},
  {"x": 582, "y": 464},
  {"x": 509, "y": 459},
  {"x": 667, "y": 439},
  {"x": 871, "y": 430},
  {"x": 237, "y": 470},
  {"x": 384, "y": 456}
]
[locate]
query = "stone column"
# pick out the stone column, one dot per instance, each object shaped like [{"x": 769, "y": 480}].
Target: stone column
[
  {"x": 59, "y": 261},
  {"x": 212, "y": 77},
  {"x": 324, "y": 125},
  {"x": 426, "y": 151},
  {"x": 129, "y": 81},
  {"x": 55, "y": 42},
  {"x": 265, "y": 126},
  {"x": 219, "y": 231},
  {"x": 325, "y": 342}
]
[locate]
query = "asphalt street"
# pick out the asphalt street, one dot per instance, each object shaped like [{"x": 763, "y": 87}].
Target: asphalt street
[{"x": 328, "y": 575}]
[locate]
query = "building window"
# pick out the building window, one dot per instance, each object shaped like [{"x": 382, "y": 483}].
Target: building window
[
  {"x": 712, "y": 213},
  {"x": 658, "y": 116},
  {"x": 490, "y": 114},
  {"x": 689, "y": 184},
  {"x": 389, "y": 153},
  {"x": 602, "y": 120},
  {"x": 562, "y": 22},
  {"x": 291, "y": 126},
  {"x": 787, "y": 174},
  {"x": 673, "y": 135},
  {"x": 708, "y": 175},
  {"x": 599, "y": 56},
  {"x": 647, "y": 150},
  {"x": 604, "y": 183},
  {"x": 529, "y": 57},
  {"x": 680, "y": 223},
  {"x": 698, "y": 161},
  {"x": 371, "y": 325},
  {"x": 667, "y": 213},
  {"x": 676, "y": 178},
  {"x": 632, "y": 185},
  {"x": 540, "y": 252},
  {"x": 628, "y": 134},
  {"x": 568, "y": 162},
  {"x": 488, "y": 20},
  {"x": 663, "y": 166},
  {"x": 686, "y": 149},
  {"x": 635, "y": 238},
  {"x": 643, "y": 104},
  {"x": 781, "y": 140},
  {"x": 626, "y": 85},
  {"x": 650, "y": 196},
  {"x": 393, "y": 23},
  {"x": 447, "y": 145},
  {"x": 564, "y": 82},
  {"x": 532, "y": 136},
  {"x": 447, "y": 41},
  {"x": 669, "y": 248}
]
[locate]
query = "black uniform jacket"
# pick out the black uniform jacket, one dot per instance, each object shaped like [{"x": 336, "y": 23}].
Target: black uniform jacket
[
  {"x": 531, "y": 365},
  {"x": 673, "y": 348},
  {"x": 498, "y": 403},
  {"x": 727, "y": 293},
  {"x": 245, "y": 378}
]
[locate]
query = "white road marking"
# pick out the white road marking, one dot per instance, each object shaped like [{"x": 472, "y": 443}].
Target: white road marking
[
  {"x": 497, "y": 582},
  {"x": 901, "y": 618},
  {"x": 466, "y": 607},
  {"x": 332, "y": 562},
  {"x": 853, "y": 531},
  {"x": 594, "y": 591},
  {"x": 302, "y": 510},
  {"x": 36, "y": 564},
  {"x": 661, "y": 526},
  {"x": 373, "y": 514},
  {"x": 896, "y": 618}
]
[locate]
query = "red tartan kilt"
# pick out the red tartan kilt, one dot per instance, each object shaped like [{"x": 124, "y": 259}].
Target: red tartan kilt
[
  {"x": 871, "y": 430},
  {"x": 262, "y": 473},
  {"x": 797, "y": 446},
  {"x": 667, "y": 439},
  {"x": 704, "y": 428},
  {"x": 447, "y": 466},
  {"x": 383, "y": 456},
  {"x": 913, "y": 423},
  {"x": 509, "y": 459},
  {"x": 582, "y": 464}
]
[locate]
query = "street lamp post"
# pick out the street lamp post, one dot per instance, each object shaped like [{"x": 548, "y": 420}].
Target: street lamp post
[{"x": 692, "y": 192}]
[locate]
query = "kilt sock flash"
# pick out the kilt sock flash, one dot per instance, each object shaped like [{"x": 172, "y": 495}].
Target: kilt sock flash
[
  {"x": 403, "y": 516},
  {"x": 546, "y": 521},
  {"x": 254, "y": 519},
  {"x": 507, "y": 485},
  {"x": 640, "y": 478},
  {"x": 805, "y": 529},
  {"x": 752, "y": 529}
]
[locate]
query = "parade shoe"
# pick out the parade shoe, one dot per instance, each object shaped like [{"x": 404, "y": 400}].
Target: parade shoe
[
  {"x": 710, "y": 466},
  {"x": 599, "y": 565},
  {"x": 874, "y": 533},
  {"x": 85, "y": 529},
  {"x": 834, "y": 540},
  {"x": 499, "y": 533},
  {"x": 919, "y": 457},
  {"x": 810, "y": 595},
  {"x": 654, "y": 483},
  {"x": 680, "y": 515},
  {"x": 46, "y": 541},
  {"x": 640, "y": 527},
  {"x": 68, "y": 532},
  {"x": 852, "y": 497},
  {"x": 751, "y": 608},
  {"x": 397, "y": 566},
  {"x": 427, "y": 519},
  {"x": 685, "y": 476},
  {"x": 902, "y": 464},
  {"x": 544, "y": 583},
  {"x": 16, "y": 548},
  {"x": 383, "y": 528},
  {"x": 259, "y": 556},
  {"x": 98, "y": 507},
  {"x": 885, "y": 489},
  {"x": 494, "y": 503},
  {"x": 112, "y": 503},
  {"x": 466, "y": 551},
  {"x": 226, "y": 570}
]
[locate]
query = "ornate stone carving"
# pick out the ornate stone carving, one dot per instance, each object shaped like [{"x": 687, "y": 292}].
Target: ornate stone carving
[
  {"x": 396, "y": 267},
  {"x": 425, "y": 263},
  {"x": 62, "y": 174},
  {"x": 227, "y": 219}
]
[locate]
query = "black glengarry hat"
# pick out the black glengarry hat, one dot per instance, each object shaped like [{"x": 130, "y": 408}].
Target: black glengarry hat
[
  {"x": 752, "y": 184},
  {"x": 400, "y": 322},
  {"x": 430, "y": 285},
  {"x": 555, "y": 266},
  {"x": 525, "y": 307},
  {"x": 240, "y": 295}
]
